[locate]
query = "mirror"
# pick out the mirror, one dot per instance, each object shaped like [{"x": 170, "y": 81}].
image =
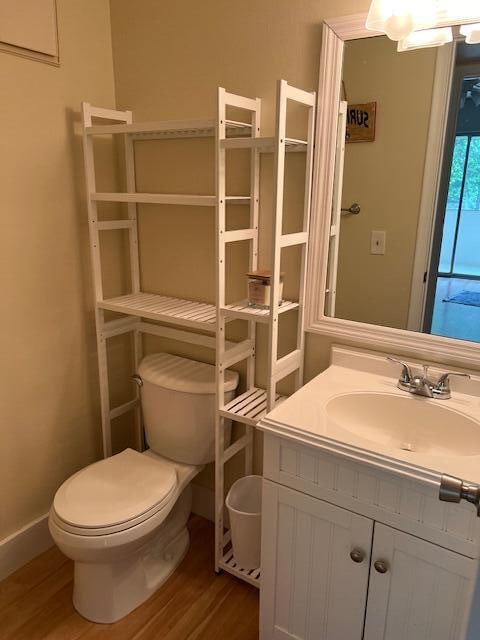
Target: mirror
[{"x": 404, "y": 241}]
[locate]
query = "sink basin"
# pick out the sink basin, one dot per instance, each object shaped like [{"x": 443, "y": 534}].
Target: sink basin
[{"x": 410, "y": 423}]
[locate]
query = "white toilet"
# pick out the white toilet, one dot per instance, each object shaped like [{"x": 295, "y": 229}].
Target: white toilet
[{"x": 123, "y": 519}]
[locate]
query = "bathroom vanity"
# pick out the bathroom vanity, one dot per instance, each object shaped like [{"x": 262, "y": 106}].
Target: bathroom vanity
[{"x": 355, "y": 541}]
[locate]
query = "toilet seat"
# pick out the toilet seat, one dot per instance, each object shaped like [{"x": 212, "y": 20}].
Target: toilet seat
[{"x": 115, "y": 494}]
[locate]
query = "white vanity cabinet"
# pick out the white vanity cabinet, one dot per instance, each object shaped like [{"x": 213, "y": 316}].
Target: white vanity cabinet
[
  {"x": 425, "y": 592},
  {"x": 310, "y": 586},
  {"x": 351, "y": 553}
]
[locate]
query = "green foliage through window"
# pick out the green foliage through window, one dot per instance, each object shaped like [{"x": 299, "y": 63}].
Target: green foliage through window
[{"x": 460, "y": 164}]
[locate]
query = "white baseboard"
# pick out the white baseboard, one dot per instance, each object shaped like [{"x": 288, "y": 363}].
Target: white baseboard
[
  {"x": 33, "y": 539},
  {"x": 203, "y": 502},
  {"x": 23, "y": 545}
]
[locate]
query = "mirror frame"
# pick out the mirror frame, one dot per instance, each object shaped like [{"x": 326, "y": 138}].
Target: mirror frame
[{"x": 335, "y": 33}]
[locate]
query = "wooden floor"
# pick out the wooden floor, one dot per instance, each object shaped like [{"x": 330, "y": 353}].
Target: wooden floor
[{"x": 194, "y": 604}]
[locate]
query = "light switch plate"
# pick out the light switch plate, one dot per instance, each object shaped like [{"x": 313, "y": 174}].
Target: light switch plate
[{"x": 377, "y": 243}]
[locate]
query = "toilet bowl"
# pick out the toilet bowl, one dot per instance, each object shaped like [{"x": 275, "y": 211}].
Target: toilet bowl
[{"x": 123, "y": 519}]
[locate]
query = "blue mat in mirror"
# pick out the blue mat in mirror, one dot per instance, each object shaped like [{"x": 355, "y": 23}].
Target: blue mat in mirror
[{"x": 471, "y": 298}]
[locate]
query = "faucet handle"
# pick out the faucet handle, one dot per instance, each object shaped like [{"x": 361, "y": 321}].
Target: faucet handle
[
  {"x": 443, "y": 383},
  {"x": 406, "y": 376}
]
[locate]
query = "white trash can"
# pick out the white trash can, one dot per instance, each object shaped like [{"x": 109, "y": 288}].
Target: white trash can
[{"x": 244, "y": 504}]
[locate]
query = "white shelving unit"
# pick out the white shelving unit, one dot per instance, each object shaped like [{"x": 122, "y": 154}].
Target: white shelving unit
[
  {"x": 187, "y": 316},
  {"x": 251, "y": 406},
  {"x": 139, "y": 305}
]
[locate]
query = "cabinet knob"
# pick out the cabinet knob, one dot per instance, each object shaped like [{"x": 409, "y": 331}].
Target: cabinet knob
[
  {"x": 381, "y": 566},
  {"x": 357, "y": 555}
]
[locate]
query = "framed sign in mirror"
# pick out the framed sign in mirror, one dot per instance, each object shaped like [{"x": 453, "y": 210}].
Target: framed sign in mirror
[
  {"x": 361, "y": 122},
  {"x": 395, "y": 225}
]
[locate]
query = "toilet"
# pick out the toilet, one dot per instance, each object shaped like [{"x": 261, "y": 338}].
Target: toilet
[{"x": 123, "y": 520}]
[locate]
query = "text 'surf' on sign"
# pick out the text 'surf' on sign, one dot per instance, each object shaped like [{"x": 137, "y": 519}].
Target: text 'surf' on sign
[{"x": 361, "y": 122}]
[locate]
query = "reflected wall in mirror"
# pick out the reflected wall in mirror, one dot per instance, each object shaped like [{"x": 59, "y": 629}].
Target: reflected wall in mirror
[{"x": 410, "y": 259}]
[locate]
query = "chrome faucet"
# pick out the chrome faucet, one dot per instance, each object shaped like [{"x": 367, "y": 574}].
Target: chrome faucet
[{"x": 421, "y": 385}]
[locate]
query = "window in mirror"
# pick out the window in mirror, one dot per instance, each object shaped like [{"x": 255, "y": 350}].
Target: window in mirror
[{"x": 456, "y": 304}]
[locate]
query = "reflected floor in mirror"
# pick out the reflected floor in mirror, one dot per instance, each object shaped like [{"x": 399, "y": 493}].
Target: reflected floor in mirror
[
  {"x": 453, "y": 318},
  {"x": 194, "y": 604}
]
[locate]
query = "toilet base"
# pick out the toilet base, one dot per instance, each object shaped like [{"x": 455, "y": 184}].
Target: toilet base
[{"x": 106, "y": 592}]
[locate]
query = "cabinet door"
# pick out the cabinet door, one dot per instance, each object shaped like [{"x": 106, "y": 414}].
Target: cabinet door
[
  {"x": 424, "y": 594},
  {"x": 311, "y": 588}
]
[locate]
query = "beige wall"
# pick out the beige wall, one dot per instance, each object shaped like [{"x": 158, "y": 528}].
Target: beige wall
[
  {"x": 48, "y": 387},
  {"x": 170, "y": 56},
  {"x": 169, "y": 59},
  {"x": 385, "y": 177}
]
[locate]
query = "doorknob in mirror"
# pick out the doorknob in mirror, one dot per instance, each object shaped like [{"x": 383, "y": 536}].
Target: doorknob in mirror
[{"x": 354, "y": 209}]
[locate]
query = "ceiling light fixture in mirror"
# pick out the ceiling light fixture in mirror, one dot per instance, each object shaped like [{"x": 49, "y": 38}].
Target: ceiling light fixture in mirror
[
  {"x": 471, "y": 33},
  {"x": 412, "y": 22}
]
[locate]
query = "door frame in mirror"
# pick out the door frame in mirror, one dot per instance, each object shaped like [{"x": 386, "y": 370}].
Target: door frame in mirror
[{"x": 335, "y": 33}]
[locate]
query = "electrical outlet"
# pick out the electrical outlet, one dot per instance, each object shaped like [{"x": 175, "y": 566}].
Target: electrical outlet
[{"x": 377, "y": 243}]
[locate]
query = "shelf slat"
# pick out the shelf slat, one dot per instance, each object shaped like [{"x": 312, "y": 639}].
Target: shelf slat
[
  {"x": 238, "y": 235},
  {"x": 235, "y": 448},
  {"x": 160, "y": 127},
  {"x": 124, "y": 408},
  {"x": 228, "y": 564},
  {"x": 266, "y": 145},
  {"x": 170, "y": 128},
  {"x": 186, "y": 313},
  {"x": 155, "y": 198},
  {"x": 167, "y": 198},
  {"x": 249, "y": 407},
  {"x": 294, "y": 142},
  {"x": 244, "y": 311},
  {"x": 241, "y": 351},
  {"x": 197, "y": 129},
  {"x": 236, "y": 125},
  {"x": 286, "y": 365},
  {"x": 109, "y": 225},
  {"x": 292, "y": 239}
]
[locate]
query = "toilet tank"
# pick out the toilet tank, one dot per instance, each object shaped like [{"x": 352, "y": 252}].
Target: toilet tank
[{"x": 178, "y": 405}]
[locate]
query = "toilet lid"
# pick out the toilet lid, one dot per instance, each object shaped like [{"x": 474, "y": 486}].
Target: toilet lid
[{"x": 115, "y": 490}]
